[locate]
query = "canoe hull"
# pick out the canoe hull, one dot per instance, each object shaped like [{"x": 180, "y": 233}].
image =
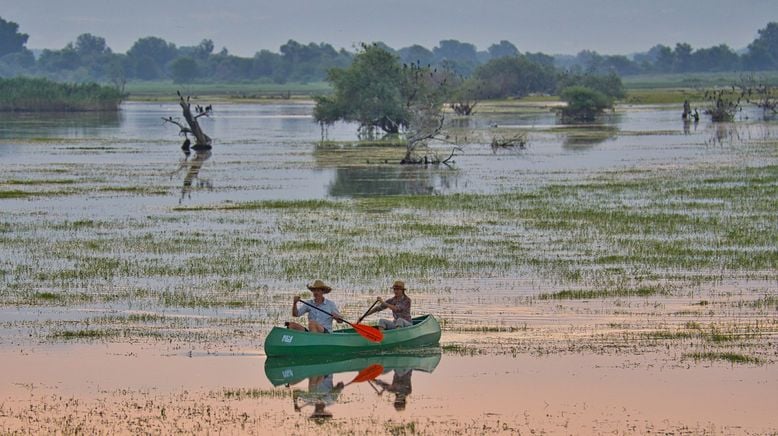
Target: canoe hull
[
  {"x": 425, "y": 332},
  {"x": 289, "y": 370}
]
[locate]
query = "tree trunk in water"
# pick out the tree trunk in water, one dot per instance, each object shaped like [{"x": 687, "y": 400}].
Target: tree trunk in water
[{"x": 203, "y": 140}]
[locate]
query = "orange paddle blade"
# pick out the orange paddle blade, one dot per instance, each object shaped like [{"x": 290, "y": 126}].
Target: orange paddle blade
[
  {"x": 369, "y": 373},
  {"x": 369, "y": 333}
]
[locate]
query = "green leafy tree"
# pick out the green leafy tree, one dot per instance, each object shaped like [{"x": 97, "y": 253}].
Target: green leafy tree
[
  {"x": 416, "y": 54},
  {"x": 369, "y": 92},
  {"x": 718, "y": 58},
  {"x": 11, "y": 40},
  {"x": 584, "y": 104},
  {"x": 204, "y": 49},
  {"x": 511, "y": 77},
  {"x": 183, "y": 70},
  {"x": 58, "y": 60},
  {"x": 502, "y": 50},
  {"x": 608, "y": 84},
  {"x": 763, "y": 51},
  {"x": 150, "y": 56},
  {"x": 88, "y": 45},
  {"x": 265, "y": 63},
  {"x": 665, "y": 58},
  {"x": 683, "y": 58}
]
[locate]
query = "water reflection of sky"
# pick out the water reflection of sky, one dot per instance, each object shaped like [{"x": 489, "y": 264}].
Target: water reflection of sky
[
  {"x": 556, "y": 393},
  {"x": 268, "y": 152}
]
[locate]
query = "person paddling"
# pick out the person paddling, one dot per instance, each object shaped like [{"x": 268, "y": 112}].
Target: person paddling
[
  {"x": 318, "y": 322},
  {"x": 400, "y": 305}
]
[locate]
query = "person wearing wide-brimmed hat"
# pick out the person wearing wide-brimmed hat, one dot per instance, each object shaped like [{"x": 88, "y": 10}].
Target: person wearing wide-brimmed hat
[
  {"x": 318, "y": 322},
  {"x": 322, "y": 392},
  {"x": 400, "y": 305}
]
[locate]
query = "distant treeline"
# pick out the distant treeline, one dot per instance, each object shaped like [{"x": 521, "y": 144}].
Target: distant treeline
[
  {"x": 88, "y": 58},
  {"x": 23, "y": 94}
]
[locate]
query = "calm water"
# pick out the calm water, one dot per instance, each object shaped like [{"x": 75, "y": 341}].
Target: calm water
[
  {"x": 556, "y": 394},
  {"x": 271, "y": 152}
]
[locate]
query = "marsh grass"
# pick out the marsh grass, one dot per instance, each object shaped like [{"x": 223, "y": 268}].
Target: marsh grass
[
  {"x": 245, "y": 393},
  {"x": 736, "y": 358},
  {"x": 90, "y": 334},
  {"x": 584, "y": 294},
  {"x": 14, "y": 193},
  {"x": 636, "y": 238},
  {"x": 389, "y": 142},
  {"x": 581, "y": 233},
  {"x": 35, "y": 182},
  {"x": 461, "y": 349},
  {"x": 310, "y": 205}
]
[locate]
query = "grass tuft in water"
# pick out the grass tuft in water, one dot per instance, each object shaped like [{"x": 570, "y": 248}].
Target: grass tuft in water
[
  {"x": 726, "y": 356},
  {"x": 589, "y": 294}
]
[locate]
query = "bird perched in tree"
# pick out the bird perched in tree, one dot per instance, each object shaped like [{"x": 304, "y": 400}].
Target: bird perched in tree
[{"x": 185, "y": 145}]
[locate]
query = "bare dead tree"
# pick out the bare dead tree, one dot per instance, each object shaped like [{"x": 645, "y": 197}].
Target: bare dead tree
[
  {"x": 463, "y": 107},
  {"x": 425, "y": 124},
  {"x": 426, "y": 91},
  {"x": 760, "y": 93},
  {"x": 723, "y": 104},
  {"x": 517, "y": 141},
  {"x": 192, "y": 126}
]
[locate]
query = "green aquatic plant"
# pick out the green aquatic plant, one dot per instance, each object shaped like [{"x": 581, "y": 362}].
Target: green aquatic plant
[
  {"x": 90, "y": 334},
  {"x": 731, "y": 357},
  {"x": 43, "y": 95},
  {"x": 588, "y": 294}
]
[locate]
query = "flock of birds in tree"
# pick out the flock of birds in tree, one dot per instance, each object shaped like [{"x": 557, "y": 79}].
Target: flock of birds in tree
[{"x": 203, "y": 110}]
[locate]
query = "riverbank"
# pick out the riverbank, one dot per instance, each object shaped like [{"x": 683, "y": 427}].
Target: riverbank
[{"x": 23, "y": 94}]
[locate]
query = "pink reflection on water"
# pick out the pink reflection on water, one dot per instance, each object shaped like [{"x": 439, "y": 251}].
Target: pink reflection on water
[{"x": 572, "y": 392}]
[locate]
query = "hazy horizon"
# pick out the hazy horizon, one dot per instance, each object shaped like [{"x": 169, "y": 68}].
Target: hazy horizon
[{"x": 245, "y": 27}]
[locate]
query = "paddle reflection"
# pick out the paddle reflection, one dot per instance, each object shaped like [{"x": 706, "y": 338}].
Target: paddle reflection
[
  {"x": 384, "y": 373},
  {"x": 400, "y": 386}
]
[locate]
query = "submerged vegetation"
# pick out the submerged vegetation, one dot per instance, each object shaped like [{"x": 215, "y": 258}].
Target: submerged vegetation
[
  {"x": 605, "y": 260},
  {"x": 41, "y": 95}
]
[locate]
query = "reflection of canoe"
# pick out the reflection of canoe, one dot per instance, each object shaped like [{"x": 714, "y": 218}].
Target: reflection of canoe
[
  {"x": 287, "y": 370},
  {"x": 425, "y": 331}
]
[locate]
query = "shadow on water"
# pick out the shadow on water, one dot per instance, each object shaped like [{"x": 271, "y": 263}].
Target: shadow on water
[
  {"x": 190, "y": 165},
  {"x": 390, "y": 373},
  {"x": 380, "y": 180},
  {"x": 26, "y": 125}
]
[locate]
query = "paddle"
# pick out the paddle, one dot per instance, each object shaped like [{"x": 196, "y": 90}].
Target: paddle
[
  {"x": 368, "y": 373},
  {"x": 367, "y": 332},
  {"x": 370, "y": 382},
  {"x": 367, "y": 311}
]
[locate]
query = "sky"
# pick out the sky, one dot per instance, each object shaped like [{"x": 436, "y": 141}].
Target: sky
[{"x": 247, "y": 26}]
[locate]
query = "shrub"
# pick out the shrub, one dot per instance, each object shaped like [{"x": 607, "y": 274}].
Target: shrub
[{"x": 584, "y": 104}]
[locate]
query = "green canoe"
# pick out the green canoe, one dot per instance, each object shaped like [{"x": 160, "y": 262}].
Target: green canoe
[
  {"x": 288, "y": 370},
  {"x": 424, "y": 332}
]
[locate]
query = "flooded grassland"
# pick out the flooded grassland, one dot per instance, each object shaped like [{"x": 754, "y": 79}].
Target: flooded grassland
[{"x": 616, "y": 277}]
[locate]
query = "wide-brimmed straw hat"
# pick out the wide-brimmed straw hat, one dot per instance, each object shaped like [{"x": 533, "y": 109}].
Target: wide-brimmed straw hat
[
  {"x": 318, "y": 284},
  {"x": 399, "y": 284}
]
